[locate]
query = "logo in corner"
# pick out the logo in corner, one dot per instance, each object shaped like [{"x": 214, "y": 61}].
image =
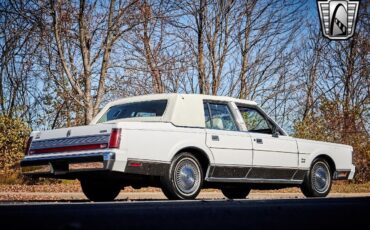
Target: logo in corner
[
  {"x": 68, "y": 133},
  {"x": 338, "y": 18}
]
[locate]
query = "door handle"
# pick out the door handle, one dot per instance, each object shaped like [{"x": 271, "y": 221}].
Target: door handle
[
  {"x": 258, "y": 140},
  {"x": 215, "y": 138}
]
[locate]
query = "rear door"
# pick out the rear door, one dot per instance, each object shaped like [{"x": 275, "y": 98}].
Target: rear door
[
  {"x": 275, "y": 155},
  {"x": 231, "y": 148}
]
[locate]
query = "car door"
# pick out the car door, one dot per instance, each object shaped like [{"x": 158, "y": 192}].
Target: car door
[
  {"x": 231, "y": 148},
  {"x": 275, "y": 155}
]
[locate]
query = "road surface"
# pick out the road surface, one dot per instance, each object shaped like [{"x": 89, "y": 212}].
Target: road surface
[
  {"x": 327, "y": 213},
  {"x": 79, "y": 196}
]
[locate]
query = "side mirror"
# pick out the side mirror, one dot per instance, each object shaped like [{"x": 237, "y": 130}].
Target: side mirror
[{"x": 275, "y": 134}]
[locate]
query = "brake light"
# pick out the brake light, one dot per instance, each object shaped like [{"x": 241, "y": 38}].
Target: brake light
[
  {"x": 26, "y": 152},
  {"x": 115, "y": 139}
]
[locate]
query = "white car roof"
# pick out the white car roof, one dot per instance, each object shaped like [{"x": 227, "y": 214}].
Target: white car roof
[
  {"x": 150, "y": 97},
  {"x": 182, "y": 109}
]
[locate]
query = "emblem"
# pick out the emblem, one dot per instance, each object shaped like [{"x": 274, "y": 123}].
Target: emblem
[{"x": 338, "y": 18}]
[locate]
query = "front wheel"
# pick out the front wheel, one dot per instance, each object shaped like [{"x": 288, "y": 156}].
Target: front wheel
[
  {"x": 184, "y": 179},
  {"x": 317, "y": 182},
  {"x": 99, "y": 190}
]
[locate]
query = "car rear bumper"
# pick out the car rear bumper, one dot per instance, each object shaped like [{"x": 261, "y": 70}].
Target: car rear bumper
[{"x": 65, "y": 164}]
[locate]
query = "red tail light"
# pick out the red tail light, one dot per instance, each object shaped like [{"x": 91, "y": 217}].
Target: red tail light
[
  {"x": 115, "y": 139},
  {"x": 26, "y": 152}
]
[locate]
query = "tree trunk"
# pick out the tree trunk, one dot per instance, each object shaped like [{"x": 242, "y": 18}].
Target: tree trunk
[
  {"x": 153, "y": 68},
  {"x": 244, "y": 92},
  {"x": 203, "y": 89}
]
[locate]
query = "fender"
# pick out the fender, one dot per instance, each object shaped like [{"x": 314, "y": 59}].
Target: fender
[{"x": 191, "y": 144}]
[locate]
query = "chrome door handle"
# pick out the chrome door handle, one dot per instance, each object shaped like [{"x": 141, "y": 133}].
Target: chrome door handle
[
  {"x": 215, "y": 138},
  {"x": 258, "y": 140}
]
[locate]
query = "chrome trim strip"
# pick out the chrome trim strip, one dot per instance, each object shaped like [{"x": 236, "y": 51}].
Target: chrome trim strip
[
  {"x": 231, "y": 165},
  {"x": 295, "y": 173},
  {"x": 230, "y": 148},
  {"x": 257, "y": 166},
  {"x": 106, "y": 156},
  {"x": 257, "y": 150},
  {"x": 279, "y": 167},
  {"x": 250, "y": 180},
  {"x": 274, "y": 151},
  {"x": 148, "y": 161}
]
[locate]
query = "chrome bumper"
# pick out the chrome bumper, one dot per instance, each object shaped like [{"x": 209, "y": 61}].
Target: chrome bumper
[
  {"x": 352, "y": 172},
  {"x": 60, "y": 165},
  {"x": 344, "y": 174}
]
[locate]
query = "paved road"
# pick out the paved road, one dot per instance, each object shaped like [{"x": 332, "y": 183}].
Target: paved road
[
  {"x": 79, "y": 196},
  {"x": 328, "y": 213}
]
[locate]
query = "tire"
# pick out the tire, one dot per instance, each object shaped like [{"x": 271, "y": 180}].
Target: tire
[
  {"x": 317, "y": 183},
  {"x": 184, "y": 179},
  {"x": 235, "y": 192},
  {"x": 99, "y": 190}
]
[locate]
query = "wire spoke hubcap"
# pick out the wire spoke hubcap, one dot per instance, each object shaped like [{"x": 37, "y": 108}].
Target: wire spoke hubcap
[
  {"x": 187, "y": 176},
  {"x": 320, "y": 177}
]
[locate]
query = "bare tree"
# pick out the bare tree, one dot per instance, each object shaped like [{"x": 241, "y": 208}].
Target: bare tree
[
  {"x": 17, "y": 46},
  {"x": 95, "y": 33},
  {"x": 193, "y": 32},
  {"x": 266, "y": 28},
  {"x": 218, "y": 30}
]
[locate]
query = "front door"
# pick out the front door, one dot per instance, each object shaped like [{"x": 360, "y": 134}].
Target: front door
[
  {"x": 231, "y": 148},
  {"x": 275, "y": 155}
]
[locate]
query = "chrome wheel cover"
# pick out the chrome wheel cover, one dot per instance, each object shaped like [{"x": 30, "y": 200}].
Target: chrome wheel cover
[
  {"x": 320, "y": 177},
  {"x": 187, "y": 176}
]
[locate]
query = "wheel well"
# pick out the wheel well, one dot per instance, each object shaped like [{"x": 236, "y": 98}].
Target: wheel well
[
  {"x": 199, "y": 154},
  {"x": 328, "y": 160}
]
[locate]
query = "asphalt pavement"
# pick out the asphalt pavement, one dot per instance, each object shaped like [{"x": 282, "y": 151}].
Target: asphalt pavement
[{"x": 326, "y": 213}]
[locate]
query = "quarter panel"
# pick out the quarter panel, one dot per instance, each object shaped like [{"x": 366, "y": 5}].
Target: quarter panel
[{"x": 161, "y": 141}]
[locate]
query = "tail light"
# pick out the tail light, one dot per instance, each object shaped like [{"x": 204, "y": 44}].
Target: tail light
[
  {"x": 115, "y": 139},
  {"x": 26, "y": 152}
]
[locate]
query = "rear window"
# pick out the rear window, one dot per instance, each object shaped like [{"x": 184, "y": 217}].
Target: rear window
[{"x": 135, "y": 109}]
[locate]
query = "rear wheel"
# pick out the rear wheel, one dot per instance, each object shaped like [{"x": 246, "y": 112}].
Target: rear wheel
[
  {"x": 317, "y": 182},
  {"x": 184, "y": 179},
  {"x": 100, "y": 190},
  {"x": 235, "y": 192}
]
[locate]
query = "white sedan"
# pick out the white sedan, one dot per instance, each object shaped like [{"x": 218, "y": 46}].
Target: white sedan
[{"x": 183, "y": 143}]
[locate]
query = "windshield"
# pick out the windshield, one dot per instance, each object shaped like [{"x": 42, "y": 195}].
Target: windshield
[{"x": 135, "y": 109}]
